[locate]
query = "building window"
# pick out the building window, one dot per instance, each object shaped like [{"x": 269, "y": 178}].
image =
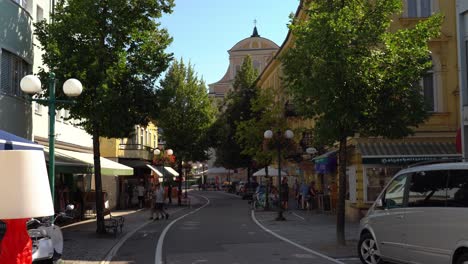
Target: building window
[
  {"x": 37, "y": 108},
  {"x": 13, "y": 68},
  {"x": 419, "y": 8},
  {"x": 142, "y": 136},
  {"x": 39, "y": 13},
  {"x": 428, "y": 89},
  {"x": 256, "y": 65}
]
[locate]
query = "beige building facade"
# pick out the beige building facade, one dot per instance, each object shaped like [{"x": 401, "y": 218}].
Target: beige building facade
[{"x": 260, "y": 49}]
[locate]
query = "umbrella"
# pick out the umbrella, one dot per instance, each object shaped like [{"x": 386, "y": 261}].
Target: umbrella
[
  {"x": 9, "y": 141},
  {"x": 271, "y": 172}
]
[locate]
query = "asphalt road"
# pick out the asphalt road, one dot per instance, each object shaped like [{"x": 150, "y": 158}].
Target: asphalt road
[{"x": 217, "y": 230}]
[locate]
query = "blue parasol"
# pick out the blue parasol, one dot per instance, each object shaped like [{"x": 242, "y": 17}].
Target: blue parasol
[{"x": 9, "y": 141}]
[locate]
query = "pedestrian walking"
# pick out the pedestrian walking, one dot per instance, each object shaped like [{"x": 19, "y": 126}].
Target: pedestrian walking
[
  {"x": 169, "y": 192},
  {"x": 284, "y": 193},
  {"x": 304, "y": 195},
  {"x": 312, "y": 195},
  {"x": 141, "y": 195},
  {"x": 158, "y": 195},
  {"x": 297, "y": 193}
]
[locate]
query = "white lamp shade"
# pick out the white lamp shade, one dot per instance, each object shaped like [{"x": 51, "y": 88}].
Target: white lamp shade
[
  {"x": 72, "y": 87},
  {"x": 169, "y": 152},
  {"x": 30, "y": 84},
  {"x": 268, "y": 134},
  {"x": 156, "y": 152},
  {"x": 24, "y": 188},
  {"x": 289, "y": 134}
]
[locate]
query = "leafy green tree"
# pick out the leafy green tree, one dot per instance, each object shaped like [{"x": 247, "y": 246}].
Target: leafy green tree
[
  {"x": 350, "y": 74},
  {"x": 185, "y": 115},
  {"x": 117, "y": 50},
  {"x": 237, "y": 107}
]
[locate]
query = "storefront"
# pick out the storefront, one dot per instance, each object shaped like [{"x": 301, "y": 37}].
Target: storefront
[
  {"x": 325, "y": 171},
  {"x": 373, "y": 163}
]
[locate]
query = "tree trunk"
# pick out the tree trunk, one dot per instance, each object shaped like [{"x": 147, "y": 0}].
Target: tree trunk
[
  {"x": 179, "y": 191},
  {"x": 98, "y": 182},
  {"x": 249, "y": 173},
  {"x": 340, "y": 211},
  {"x": 267, "y": 190}
]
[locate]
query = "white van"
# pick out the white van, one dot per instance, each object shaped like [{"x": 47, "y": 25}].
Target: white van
[{"x": 421, "y": 216}]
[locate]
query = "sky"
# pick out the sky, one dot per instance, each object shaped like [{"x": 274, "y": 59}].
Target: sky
[{"x": 204, "y": 30}]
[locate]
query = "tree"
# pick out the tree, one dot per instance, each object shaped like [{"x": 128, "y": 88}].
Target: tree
[
  {"x": 185, "y": 115},
  {"x": 350, "y": 74},
  {"x": 237, "y": 107},
  {"x": 116, "y": 49}
]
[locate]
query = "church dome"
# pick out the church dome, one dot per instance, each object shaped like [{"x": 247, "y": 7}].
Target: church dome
[{"x": 254, "y": 42}]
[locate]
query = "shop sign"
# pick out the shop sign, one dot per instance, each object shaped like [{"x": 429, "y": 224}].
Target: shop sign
[{"x": 399, "y": 160}]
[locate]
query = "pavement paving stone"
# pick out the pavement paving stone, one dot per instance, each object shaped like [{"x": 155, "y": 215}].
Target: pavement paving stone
[
  {"x": 83, "y": 246},
  {"x": 313, "y": 230}
]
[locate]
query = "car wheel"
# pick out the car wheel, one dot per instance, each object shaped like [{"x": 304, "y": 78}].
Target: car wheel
[
  {"x": 368, "y": 251},
  {"x": 462, "y": 259}
]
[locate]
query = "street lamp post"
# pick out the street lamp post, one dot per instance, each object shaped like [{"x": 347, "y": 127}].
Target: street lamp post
[
  {"x": 31, "y": 84},
  {"x": 168, "y": 152},
  {"x": 289, "y": 135}
]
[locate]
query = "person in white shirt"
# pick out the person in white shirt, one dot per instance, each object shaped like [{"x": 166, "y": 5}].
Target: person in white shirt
[
  {"x": 159, "y": 198},
  {"x": 141, "y": 195}
]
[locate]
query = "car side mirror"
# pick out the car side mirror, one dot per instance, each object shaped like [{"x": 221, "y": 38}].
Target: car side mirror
[{"x": 379, "y": 203}]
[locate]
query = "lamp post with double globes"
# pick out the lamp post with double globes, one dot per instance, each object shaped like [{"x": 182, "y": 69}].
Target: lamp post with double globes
[
  {"x": 288, "y": 134},
  {"x": 168, "y": 152},
  {"x": 31, "y": 84}
]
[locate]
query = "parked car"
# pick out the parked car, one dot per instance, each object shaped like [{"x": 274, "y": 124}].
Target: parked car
[{"x": 420, "y": 216}]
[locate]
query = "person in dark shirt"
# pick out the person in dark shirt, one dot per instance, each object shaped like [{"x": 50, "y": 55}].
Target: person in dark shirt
[{"x": 284, "y": 193}]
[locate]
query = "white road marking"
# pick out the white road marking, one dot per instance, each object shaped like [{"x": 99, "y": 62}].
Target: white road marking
[
  {"x": 294, "y": 243},
  {"x": 299, "y": 216},
  {"x": 158, "y": 256},
  {"x": 124, "y": 239}
]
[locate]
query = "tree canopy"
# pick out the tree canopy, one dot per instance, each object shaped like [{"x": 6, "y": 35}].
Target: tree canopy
[
  {"x": 117, "y": 50},
  {"x": 185, "y": 112},
  {"x": 351, "y": 74},
  {"x": 237, "y": 107}
]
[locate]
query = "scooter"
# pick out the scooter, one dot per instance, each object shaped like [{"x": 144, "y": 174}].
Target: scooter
[{"x": 47, "y": 238}]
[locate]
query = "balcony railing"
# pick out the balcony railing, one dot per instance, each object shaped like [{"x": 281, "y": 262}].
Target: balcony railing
[{"x": 135, "y": 151}]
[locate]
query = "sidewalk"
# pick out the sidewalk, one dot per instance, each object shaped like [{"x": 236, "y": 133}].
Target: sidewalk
[
  {"x": 82, "y": 244},
  {"x": 316, "y": 231}
]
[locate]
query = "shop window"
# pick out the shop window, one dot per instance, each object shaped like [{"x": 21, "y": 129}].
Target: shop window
[
  {"x": 457, "y": 191},
  {"x": 428, "y": 189},
  {"x": 13, "y": 68},
  {"x": 377, "y": 179},
  {"x": 419, "y": 8},
  {"x": 395, "y": 193}
]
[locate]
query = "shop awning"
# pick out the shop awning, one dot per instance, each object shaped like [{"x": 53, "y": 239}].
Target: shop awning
[
  {"x": 108, "y": 167},
  {"x": 406, "y": 152},
  {"x": 64, "y": 164},
  {"x": 134, "y": 163},
  {"x": 326, "y": 163},
  {"x": 271, "y": 172},
  {"x": 171, "y": 171},
  {"x": 155, "y": 170},
  {"x": 218, "y": 170}
]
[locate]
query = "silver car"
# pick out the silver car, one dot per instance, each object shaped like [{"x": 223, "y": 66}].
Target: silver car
[{"x": 421, "y": 216}]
